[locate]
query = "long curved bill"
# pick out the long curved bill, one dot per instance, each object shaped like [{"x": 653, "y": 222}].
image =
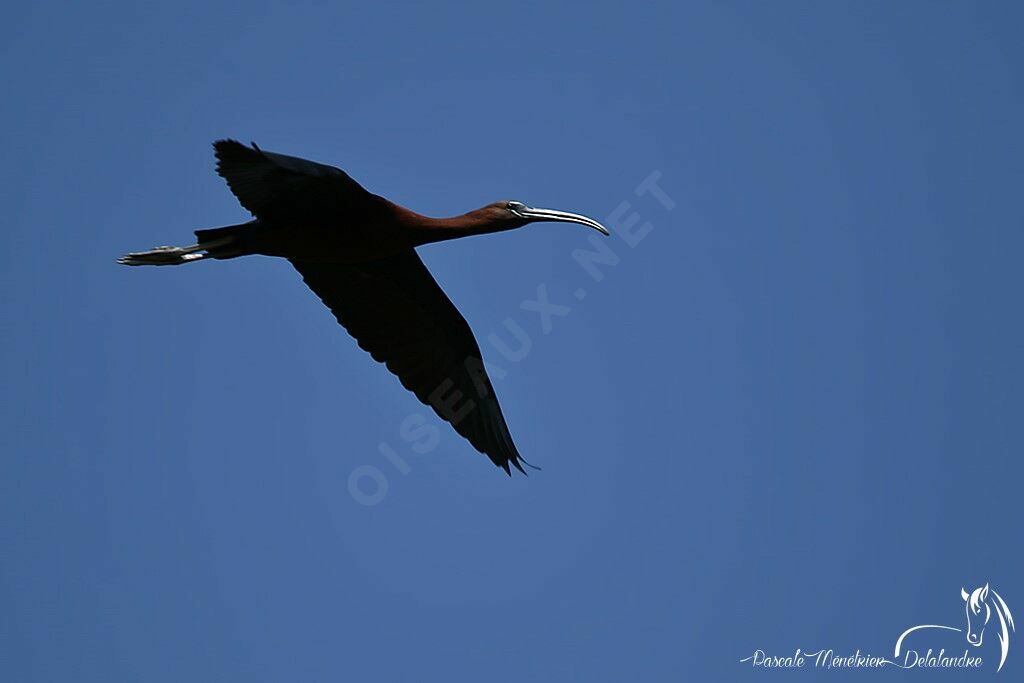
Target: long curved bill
[{"x": 562, "y": 217}]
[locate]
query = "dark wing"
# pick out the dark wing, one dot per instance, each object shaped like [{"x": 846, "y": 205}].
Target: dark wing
[
  {"x": 397, "y": 312},
  {"x": 284, "y": 189}
]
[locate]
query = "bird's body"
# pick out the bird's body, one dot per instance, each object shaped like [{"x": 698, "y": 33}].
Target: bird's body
[{"x": 356, "y": 251}]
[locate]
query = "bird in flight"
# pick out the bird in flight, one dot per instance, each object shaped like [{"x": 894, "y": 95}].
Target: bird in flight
[{"x": 356, "y": 251}]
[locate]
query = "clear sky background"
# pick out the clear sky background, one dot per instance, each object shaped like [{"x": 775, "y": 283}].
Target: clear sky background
[{"x": 788, "y": 417}]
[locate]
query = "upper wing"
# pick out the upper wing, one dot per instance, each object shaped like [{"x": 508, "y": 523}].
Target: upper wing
[
  {"x": 280, "y": 188},
  {"x": 399, "y": 314}
]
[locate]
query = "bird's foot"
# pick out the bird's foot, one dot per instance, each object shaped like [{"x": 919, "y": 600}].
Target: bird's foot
[{"x": 162, "y": 256}]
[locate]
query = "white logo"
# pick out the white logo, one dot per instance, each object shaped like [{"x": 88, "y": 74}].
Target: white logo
[{"x": 979, "y": 604}]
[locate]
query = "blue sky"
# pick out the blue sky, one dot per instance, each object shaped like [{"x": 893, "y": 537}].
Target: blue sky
[{"x": 787, "y": 417}]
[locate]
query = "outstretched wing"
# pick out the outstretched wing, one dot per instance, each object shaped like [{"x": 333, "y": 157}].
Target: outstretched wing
[
  {"x": 283, "y": 189},
  {"x": 398, "y": 313}
]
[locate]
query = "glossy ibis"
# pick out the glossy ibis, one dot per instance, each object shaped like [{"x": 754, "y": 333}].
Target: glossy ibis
[{"x": 356, "y": 251}]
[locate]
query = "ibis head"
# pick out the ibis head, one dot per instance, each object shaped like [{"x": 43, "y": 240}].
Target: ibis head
[{"x": 516, "y": 214}]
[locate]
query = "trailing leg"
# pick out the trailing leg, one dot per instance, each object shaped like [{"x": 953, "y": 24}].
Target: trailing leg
[{"x": 171, "y": 256}]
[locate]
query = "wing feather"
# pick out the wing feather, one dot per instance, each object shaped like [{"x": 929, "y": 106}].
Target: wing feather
[
  {"x": 398, "y": 313},
  {"x": 284, "y": 189}
]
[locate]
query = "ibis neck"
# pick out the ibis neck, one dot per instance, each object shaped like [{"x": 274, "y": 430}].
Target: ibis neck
[{"x": 425, "y": 230}]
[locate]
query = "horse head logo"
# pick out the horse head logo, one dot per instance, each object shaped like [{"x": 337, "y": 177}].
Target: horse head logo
[
  {"x": 980, "y": 604},
  {"x": 978, "y": 613}
]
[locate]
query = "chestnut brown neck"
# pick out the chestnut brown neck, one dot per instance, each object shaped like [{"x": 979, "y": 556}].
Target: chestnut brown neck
[{"x": 426, "y": 230}]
